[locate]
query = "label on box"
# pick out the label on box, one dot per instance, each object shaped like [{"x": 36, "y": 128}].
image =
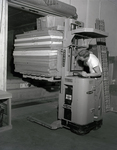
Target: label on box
[{"x": 24, "y": 85}]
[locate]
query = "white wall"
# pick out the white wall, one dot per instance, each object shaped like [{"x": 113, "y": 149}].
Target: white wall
[
  {"x": 109, "y": 14},
  {"x": 81, "y": 6},
  {"x": 93, "y": 12}
]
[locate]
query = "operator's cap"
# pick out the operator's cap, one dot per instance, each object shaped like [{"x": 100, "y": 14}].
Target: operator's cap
[
  {"x": 82, "y": 48},
  {"x": 83, "y": 53}
]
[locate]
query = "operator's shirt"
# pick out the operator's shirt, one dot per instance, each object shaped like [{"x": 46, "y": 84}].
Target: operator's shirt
[{"x": 93, "y": 62}]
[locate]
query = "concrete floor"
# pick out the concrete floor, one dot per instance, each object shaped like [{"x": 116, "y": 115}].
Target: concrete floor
[{"x": 26, "y": 135}]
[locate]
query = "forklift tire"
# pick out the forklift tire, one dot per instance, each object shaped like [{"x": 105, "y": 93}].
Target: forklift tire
[
  {"x": 79, "y": 131},
  {"x": 98, "y": 125}
]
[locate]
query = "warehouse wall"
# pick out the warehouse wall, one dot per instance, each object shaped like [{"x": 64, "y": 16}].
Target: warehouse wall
[{"x": 108, "y": 12}]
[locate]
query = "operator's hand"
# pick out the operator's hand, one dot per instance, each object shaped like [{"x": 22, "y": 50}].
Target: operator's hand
[{"x": 84, "y": 74}]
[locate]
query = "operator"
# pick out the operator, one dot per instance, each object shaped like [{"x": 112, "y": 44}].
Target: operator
[{"x": 90, "y": 60}]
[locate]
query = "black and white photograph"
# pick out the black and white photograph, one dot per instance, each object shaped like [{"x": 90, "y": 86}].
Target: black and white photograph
[{"x": 58, "y": 78}]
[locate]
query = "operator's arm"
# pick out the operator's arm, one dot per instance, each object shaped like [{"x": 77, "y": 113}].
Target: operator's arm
[{"x": 96, "y": 74}]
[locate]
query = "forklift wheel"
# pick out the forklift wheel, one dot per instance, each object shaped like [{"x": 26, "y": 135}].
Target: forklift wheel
[
  {"x": 97, "y": 127},
  {"x": 79, "y": 131}
]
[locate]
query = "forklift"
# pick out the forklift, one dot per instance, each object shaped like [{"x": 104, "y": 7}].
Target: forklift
[{"x": 81, "y": 100}]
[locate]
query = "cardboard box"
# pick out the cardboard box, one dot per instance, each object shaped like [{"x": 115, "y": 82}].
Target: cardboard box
[{"x": 49, "y": 22}]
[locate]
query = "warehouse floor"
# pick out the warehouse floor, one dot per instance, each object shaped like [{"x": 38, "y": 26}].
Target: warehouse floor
[{"x": 26, "y": 135}]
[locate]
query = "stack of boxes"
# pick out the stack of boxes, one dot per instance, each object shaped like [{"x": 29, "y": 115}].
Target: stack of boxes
[
  {"x": 103, "y": 55},
  {"x": 50, "y": 22},
  {"x": 37, "y": 53}
]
